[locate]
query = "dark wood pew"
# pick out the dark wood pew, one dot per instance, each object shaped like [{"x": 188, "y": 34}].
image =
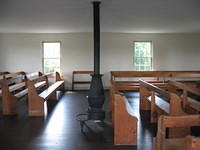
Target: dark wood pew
[
  {"x": 125, "y": 122},
  {"x": 161, "y": 142},
  {"x": 129, "y": 80},
  {"x": 75, "y": 73},
  {"x": 36, "y": 101}
]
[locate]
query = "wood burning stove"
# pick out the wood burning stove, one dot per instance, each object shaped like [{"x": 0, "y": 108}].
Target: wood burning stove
[{"x": 96, "y": 96}]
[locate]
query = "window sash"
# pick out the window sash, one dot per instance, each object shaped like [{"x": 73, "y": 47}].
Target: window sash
[
  {"x": 143, "y": 58},
  {"x": 51, "y": 66},
  {"x": 51, "y": 63}
]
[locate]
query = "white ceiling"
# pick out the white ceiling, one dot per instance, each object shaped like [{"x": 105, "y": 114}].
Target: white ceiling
[{"x": 129, "y": 16}]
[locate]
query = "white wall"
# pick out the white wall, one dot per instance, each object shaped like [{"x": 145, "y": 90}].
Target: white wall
[{"x": 171, "y": 52}]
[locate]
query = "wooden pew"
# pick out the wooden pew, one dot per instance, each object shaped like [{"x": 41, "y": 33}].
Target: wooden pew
[
  {"x": 75, "y": 73},
  {"x": 161, "y": 142},
  {"x": 129, "y": 80},
  {"x": 11, "y": 93},
  {"x": 159, "y": 101},
  {"x": 161, "y": 79},
  {"x": 13, "y": 87},
  {"x": 125, "y": 122},
  {"x": 36, "y": 101},
  {"x": 188, "y": 94}
]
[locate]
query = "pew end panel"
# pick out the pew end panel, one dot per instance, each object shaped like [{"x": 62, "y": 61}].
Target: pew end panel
[
  {"x": 144, "y": 94},
  {"x": 125, "y": 124},
  {"x": 60, "y": 78},
  {"x": 35, "y": 103},
  {"x": 9, "y": 101}
]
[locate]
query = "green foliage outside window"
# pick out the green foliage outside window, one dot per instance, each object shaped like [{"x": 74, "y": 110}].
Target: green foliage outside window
[
  {"x": 142, "y": 56},
  {"x": 51, "y": 65}
]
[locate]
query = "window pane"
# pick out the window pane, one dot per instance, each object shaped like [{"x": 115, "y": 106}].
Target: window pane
[
  {"x": 51, "y": 50},
  {"x": 143, "y": 49},
  {"x": 51, "y": 65},
  {"x": 142, "y": 56}
]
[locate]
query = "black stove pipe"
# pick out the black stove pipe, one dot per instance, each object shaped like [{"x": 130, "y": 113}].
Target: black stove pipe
[
  {"x": 96, "y": 96},
  {"x": 96, "y": 20}
]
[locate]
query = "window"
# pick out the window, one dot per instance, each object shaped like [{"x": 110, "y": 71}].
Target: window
[
  {"x": 143, "y": 56},
  {"x": 51, "y": 57}
]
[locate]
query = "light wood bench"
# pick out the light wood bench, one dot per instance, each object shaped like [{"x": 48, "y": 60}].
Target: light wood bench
[
  {"x": 129, "y": 80},
  {"x": 159, "y": 101},
  {"x": 125, "y": 122},
  {"x": 161, "y": 142},
  {"x": 75, "y": 73},
  {"x": 11, "y": 93},
  {"x": 37, "y": 101},
  {"x": 190, "y": 95}
]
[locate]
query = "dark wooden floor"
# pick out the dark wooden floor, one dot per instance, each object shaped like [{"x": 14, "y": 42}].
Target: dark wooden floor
[{"x": 61, "y": 131}]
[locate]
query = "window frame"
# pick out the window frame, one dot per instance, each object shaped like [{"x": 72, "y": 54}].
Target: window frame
[
  {"x": 43, "y": 58},
  {"x": 134, "y": 66}
]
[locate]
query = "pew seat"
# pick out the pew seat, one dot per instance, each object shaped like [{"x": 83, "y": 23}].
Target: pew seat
[
  {"x": 47, "y": 93},
  {"x": 160, "y": 103}
]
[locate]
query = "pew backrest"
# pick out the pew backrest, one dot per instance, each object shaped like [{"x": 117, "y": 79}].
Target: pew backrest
[
  {"x": 129, "y": 80},
  {"x": 189, "y": 95},
  {"x": 163, "y": 143},
  {"x": 163, "y": 75},
  {"x": 79, "y": 81}
]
